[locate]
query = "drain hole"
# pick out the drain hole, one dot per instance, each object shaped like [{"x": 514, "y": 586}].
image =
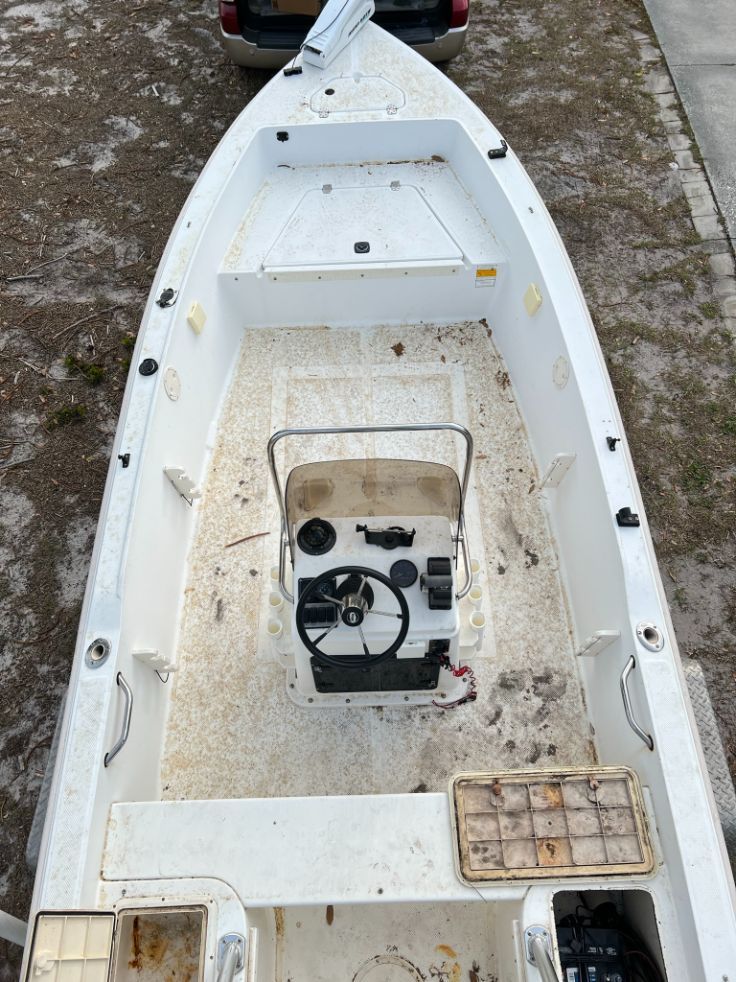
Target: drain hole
[{"x": 329, "y": 91}]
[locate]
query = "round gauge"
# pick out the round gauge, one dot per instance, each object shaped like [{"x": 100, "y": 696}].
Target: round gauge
[
  {"x": 316, "y": 537},
  {"x": 403, "y": 573}
]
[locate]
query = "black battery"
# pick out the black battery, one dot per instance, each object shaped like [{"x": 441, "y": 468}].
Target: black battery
[{"x": 592, "y": 954}]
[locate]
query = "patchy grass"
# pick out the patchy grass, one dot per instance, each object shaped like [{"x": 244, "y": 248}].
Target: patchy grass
[
  {"x": 679, "y": 597},
  {"x": 686, "y": 272},
  {"x": 709, "y": 309},
  {"x": 67, "y": 415},
  {"x": 698, "y": 477},
  {"x": 93, "y": 373}
]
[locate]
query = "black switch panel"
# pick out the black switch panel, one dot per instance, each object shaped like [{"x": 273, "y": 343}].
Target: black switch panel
[
  {"x": 319, "y": 614},
  {"x": 437, "y": 582}
]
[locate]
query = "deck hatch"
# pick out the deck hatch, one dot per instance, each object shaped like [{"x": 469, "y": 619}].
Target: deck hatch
[
  {"x": 142, "y": 944},
  {"x": 539, "y": 824},
  {"x": 396, "y": 220}
]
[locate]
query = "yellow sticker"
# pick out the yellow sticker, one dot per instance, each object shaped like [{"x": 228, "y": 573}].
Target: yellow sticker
[{"x": 485, "y": 276}]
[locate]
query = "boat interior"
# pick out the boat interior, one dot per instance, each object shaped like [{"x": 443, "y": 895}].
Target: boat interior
[
  {"x": 270, "y": 358},
  {"x": 530, "y": 706},
  {"x": 401, "y": 282}
]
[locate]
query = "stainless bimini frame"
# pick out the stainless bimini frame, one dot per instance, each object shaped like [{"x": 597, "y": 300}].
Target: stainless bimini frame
[{"x": 460, "y": 536}]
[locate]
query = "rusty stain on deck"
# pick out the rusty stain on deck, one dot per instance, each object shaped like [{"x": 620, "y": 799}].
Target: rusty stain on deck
[
  {"x": 278, "y": 913},
  {"x": 446, "y": 950}
]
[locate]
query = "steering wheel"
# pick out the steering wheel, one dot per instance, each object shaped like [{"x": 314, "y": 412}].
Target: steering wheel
[{"x": 354, "y": 605}]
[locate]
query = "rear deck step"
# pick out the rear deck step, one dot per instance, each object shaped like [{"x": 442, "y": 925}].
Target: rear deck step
[{"x": 295, "y": 851}]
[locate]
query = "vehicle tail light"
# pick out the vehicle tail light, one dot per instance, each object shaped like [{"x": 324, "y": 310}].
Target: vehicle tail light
[
  {"x": 459, "y": 13},
  {"x": 229, "y": 16}
]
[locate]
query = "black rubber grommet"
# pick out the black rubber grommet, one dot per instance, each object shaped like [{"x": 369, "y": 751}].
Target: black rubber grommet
[{"x": 149, "y": 366}]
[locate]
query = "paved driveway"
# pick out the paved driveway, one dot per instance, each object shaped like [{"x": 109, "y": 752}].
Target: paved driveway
[{"x": 699, "y": 42}]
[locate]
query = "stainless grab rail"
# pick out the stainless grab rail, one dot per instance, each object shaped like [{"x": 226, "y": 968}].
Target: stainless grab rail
[
  {"x": 230, "y": 956},
  {"x": 642, "y": 734},
  {"x": 127, "y": 713},
  {"x": 229, "y": 962},
  {"x": 388, "y": 428},
  {"x": 538, "y": 942},
  {"x": 541, "y": 959}
]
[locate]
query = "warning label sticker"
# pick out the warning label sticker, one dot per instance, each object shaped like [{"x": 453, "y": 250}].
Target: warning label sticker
[{"x": 485, "y": 276}]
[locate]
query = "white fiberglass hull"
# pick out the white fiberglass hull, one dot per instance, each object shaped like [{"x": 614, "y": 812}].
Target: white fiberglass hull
[{"x": 225, "y": 794}]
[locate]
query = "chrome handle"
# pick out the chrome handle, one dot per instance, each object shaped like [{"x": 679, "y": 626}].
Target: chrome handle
[
  {"x": 230, "y": 956},
  {"x": 642, "y": 734},
  {"x": 538, "y": 944},
  {"x": 127, "y": 713}
]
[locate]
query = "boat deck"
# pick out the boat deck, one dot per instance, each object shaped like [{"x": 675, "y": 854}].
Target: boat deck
[{"x": 232, "y": 730}]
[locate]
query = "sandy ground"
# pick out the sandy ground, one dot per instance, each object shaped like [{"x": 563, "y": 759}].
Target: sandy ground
[{"x": 107, "y": 114}]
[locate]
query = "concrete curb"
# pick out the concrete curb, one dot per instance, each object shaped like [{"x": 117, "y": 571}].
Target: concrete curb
[{"x": 707, "y": 219}]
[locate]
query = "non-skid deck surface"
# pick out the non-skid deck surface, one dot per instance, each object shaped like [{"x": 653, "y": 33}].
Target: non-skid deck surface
[
  {"x": 385, "y": 943},
  {"x": 232, "y": 730}
]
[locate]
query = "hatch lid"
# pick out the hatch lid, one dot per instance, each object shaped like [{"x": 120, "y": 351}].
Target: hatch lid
[
  {"x": 512, "y": 825},
  {"x": 362, "y": 226}
]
